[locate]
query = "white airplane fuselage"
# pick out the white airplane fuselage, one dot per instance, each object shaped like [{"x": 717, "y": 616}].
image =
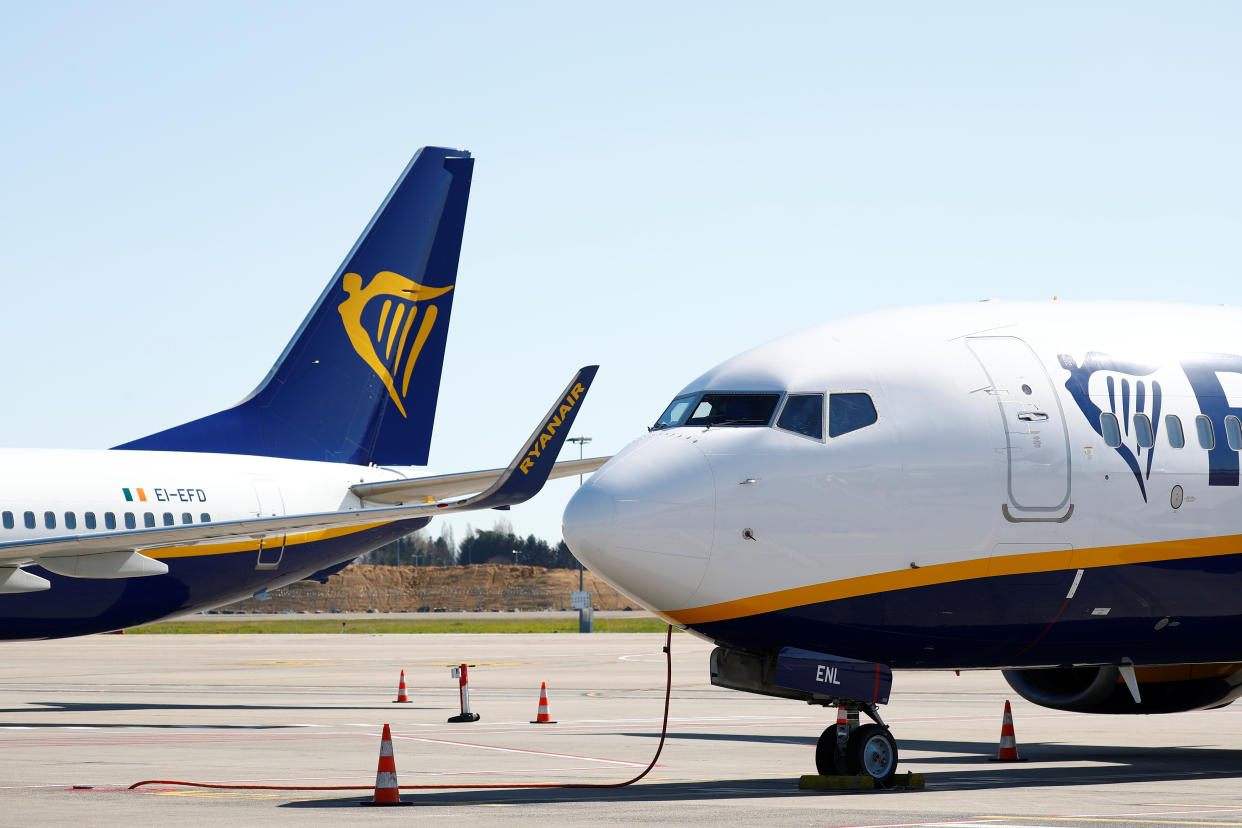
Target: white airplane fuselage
[
  {"x": 58, "y": 494},
  {"x": 986, "y": 518}
]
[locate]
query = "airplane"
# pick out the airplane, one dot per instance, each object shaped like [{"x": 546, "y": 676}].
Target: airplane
[
  {"x": 1050, "y": 489},
  {"x": 305, "y": 474}
]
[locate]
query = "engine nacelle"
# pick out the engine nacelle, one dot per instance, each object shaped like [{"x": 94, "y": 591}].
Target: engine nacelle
[{"x": 1170, "y": 689}]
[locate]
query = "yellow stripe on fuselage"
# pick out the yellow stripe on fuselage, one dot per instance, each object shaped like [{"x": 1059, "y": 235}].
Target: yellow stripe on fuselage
[
  {"x": 934, "y": 574},
  {"x": 253, "y": 545}
]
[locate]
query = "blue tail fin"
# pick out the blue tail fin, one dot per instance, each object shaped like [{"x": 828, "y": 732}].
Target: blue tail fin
[{"x": 359, "y": 381}]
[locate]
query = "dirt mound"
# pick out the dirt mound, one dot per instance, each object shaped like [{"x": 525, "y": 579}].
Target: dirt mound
[{"x": 481, "y": 587}]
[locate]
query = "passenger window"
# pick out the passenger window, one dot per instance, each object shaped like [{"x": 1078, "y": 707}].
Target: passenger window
[
  {"x": 186, "y": 517},
  {"x": 206, "y": 518},
  {"x": 28, "y": 519},
  {"x": 168, "y": 519},
  {"x": 8, "y": 520},
  {"x": 1207, "y": 436},
  {"x": 49, "y": 520},
  {"x": 1110, "y": 429},
  {"x": 849, "y": 412},
  {"x": 71, "y": 520},
  {"x": 130, "y": 522},
  {"x": 734, "y": 410},
  {"x": 1143, "y": 431},
  {"x": 148, "y": 519},
  {"x": 89, "y": 519},
  {"x": 1233, "y": 432},
  {"x": 109, "y": 520},
  {"x": 1173, "y": 431},
  {"x": 803, "y": 414}
]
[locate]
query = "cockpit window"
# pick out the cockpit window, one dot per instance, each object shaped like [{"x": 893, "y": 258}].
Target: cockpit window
[
  {"x": 733, "y": 410},
  {"x": 803, "y": 414},
  {"x": 849, "y": 412},
  {"x": 676, "y": 412}
]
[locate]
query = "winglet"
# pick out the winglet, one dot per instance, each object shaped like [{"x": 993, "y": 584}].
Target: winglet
[{"x": 526, "y": 475}]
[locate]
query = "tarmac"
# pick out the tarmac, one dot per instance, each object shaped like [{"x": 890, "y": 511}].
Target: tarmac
[{"x": 82, "y": 719}]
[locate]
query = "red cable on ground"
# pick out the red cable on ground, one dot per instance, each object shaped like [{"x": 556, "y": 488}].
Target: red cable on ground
[{"x": 668, "y": 690}]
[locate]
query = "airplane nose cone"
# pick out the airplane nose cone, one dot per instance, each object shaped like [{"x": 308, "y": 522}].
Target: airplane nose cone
[
  {"x": 645, "y": 522},
  {"x": 587, "y": 522}
]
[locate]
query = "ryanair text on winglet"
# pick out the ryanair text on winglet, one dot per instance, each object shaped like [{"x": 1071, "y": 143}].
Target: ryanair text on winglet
[{"x": 550, "y": 427}]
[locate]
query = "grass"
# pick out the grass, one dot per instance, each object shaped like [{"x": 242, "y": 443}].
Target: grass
[{"x": 364, "y": 626}]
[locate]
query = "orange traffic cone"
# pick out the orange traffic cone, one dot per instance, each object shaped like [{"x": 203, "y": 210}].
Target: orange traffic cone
[
  {"x": 387, "y": 792},
  {"x": 543, "y": 717},
  {"x": 401, "y": 698},
  {"x": 842, "y": 718},
  {"x": 1007, "y": 751}
]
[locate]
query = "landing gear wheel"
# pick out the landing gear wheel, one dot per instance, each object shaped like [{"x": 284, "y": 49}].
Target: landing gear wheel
[
  {"x": 828, "y": 761},
  {"x": 872, "y": 751}
]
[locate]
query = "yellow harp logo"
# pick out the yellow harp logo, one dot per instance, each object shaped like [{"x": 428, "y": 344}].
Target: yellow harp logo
[{"x": 385, "y": 349}]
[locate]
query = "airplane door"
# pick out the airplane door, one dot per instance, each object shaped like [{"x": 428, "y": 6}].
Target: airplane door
[
  {"x": 270, "y": 504},
  {"x": 1036, "y": 439}
]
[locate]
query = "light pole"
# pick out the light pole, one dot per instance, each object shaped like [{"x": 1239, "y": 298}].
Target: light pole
[
  {"x": 586, "y": 615},
  {"x": 581, "y": 441}
]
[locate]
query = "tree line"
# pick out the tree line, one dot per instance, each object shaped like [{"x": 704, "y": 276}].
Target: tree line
[{"x": 484, "y": 546}]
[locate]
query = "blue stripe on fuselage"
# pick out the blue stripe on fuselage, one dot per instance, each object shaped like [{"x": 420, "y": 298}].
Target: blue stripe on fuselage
[{"x": 1021, "y": 620}]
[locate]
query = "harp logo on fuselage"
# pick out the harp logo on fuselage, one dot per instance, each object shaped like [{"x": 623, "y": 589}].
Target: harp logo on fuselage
[{"x": 389, "y": 349}]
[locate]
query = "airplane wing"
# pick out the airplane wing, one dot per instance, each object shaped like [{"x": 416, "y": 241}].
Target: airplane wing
[
  {"x": 120, "y": 554},
  {"x": 439, "y": 487}
]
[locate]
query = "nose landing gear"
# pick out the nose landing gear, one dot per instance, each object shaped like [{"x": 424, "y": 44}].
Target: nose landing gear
[
  {"x": 849, "y": 749},
  {"x": 845, "y": 748}
]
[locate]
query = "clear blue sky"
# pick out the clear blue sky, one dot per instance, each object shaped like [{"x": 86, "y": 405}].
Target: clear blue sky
[{"x": 658, "y": 186}]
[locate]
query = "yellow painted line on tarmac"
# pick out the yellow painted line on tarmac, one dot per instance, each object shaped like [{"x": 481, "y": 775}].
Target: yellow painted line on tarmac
[
  {"x": 1139, "y": 820},
  {"x": 278, "y": 663}
]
